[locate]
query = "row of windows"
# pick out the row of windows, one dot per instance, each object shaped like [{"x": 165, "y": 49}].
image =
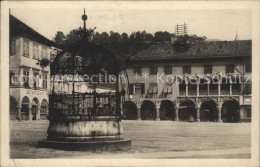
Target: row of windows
[
  {"x": 40, "y": 80},
  {"x": 36, "y": 51},
  {"x": 167, "y": 89},
  {"x": 187, "y": 69}
]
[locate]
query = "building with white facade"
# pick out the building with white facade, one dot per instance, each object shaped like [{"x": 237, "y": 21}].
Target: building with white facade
[{"x": 29, "y": 83}]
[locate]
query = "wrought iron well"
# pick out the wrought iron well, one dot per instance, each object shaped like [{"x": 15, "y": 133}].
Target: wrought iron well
[{"x": 90, "y": 120}]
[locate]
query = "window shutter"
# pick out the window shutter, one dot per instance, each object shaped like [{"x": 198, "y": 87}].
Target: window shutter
[
  {"x": 131, "y": 89},
  {"x": 142, "y": 88}
]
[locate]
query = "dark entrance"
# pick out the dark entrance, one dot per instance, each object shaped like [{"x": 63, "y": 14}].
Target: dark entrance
[
  {"x": 187, "y": 111},
  {"x": 129, "y": 110},
  {"x": 167, "y": 111},
  {"x": 35, "y": 105},
  {"x": 148, "y": 111},
  {"x": 208, "y": 111},
  {"x": 230, "y": 111}
]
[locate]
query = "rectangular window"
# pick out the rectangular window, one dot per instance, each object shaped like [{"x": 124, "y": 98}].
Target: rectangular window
[
  {"x": 26, "y": 78},
  {"x": 208, "y": 69},
  {"x": 138, "y": 89},
  {"x": 44, "y": 52},
  {"x": 248, "y": 88},
  {"x": 12, "y": 47},
  {"x": 26, "y": 48},
  {"x": 248, "y": 68},
  {"x": 186, "y": 70},
  {"x": 36, "y": 79},
  {"x": 153, "y": 70},
  {"x": 230, "y": 69},
  {"x": 44, "y": 81},
  {"x": 137, "y": 70},
  {"x": 153, "y": 89},
  {"x": 167, "y": 89},
  {"x": 167, "y": 70},
  {"x": 36, "y": 51},
  {"x": 248, "y": 112}
]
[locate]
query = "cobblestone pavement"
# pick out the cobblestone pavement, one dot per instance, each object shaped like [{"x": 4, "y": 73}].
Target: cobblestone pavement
[{"x": 148, "y": 138}]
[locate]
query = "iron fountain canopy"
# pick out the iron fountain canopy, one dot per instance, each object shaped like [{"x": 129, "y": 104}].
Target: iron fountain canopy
[{"x": 89, "y": 120}]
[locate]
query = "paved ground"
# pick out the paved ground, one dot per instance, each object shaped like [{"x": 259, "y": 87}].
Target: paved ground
[{"x": 150, "y": 139}]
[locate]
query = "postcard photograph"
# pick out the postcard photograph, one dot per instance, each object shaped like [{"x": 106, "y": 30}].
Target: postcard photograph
[{"x": 130, "y": 83}]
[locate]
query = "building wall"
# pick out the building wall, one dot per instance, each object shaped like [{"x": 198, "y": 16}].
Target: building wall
[
  {"x": 19, "y": 63},
  {"x": 197, "y": 67}
]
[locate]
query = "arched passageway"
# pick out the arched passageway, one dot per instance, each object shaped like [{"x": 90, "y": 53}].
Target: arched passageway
[
  {"x": 208, "y": 111},
  {"x": 44, "y": 109},
  {"x": 35, "y": 105},
  {"x": 187, "y": 111},
  {"x": 130, "y": 110},
  {"x": 13, "y": 108},
  {"x": 25, "y": 108},
  {"x": 148, "y": 111},
  {"x": 230, "y": 111},
  {"x": 167, "y": 111}
]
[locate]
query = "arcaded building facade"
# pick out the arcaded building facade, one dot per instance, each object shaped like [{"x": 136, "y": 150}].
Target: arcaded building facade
[
  {"x": 29, "y": 83},
  {"x": 210, "y": 81}
]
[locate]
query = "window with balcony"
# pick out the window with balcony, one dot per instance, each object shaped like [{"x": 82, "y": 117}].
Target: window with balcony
[
  {"x": 36, "y": 79},
  {"x": 153, "y": 70},
  {"x": 192, "y": 89},
  {"x": 153, "y": 89},
  {"x": 186, "y": 69},
  {"x": 230, "y": 69},
  {"x": 248, "y": 68},
  {"x": 208, "y": 69},
  {"x": 26, "y": 78},
  {"x": 26, "y": 48},
  {"x": 182, "y": 89},
  {"x": 137, "y": 70},
  {"x": 167, "y": 70}
]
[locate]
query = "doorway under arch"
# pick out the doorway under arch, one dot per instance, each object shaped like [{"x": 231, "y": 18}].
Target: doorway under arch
[
  {"x": 13, "y": 108},
  {"x": 35, "y": 105},
  {"x": 167, "y": 110},
  {"x": 148, "y": 110},
  {"x": 208, "y": 111},
  {"x": 187, "y": 111},
  {"x": 230, "y": 111},
  {"x": 129, "y": 110}
]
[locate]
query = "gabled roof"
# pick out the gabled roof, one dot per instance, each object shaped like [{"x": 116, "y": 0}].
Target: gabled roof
[
  {"x": 18, "y": 28},
  {"x": 202, "y": 49}
]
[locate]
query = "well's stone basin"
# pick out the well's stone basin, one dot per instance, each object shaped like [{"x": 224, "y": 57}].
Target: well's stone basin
[
  {"x": 99, "y": 134},
  {"x": 85, "y": 130}
]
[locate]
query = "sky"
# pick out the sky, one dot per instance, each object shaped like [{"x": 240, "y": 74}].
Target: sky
[{"x": 221, "y": 24}]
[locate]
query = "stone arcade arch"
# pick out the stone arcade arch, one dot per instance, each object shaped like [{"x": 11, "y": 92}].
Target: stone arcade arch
[
  {"x": 230, "y": 111},
  {"x": 148, "y": 110},
  {"x": 13, "y": 108},
  {"x": 25, "y": 108},
  {"x": 208, "y": 111},
  {"x": 130, "y": 110},
  {"x": 35, "y": 107},
  {"x": 167, "y": 110},
  {"x": 187, "y": 111},
  {"x": 44, "y": 109}
]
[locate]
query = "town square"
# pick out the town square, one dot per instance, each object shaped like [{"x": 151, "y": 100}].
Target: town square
[{"x": 94, "y": 82}]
